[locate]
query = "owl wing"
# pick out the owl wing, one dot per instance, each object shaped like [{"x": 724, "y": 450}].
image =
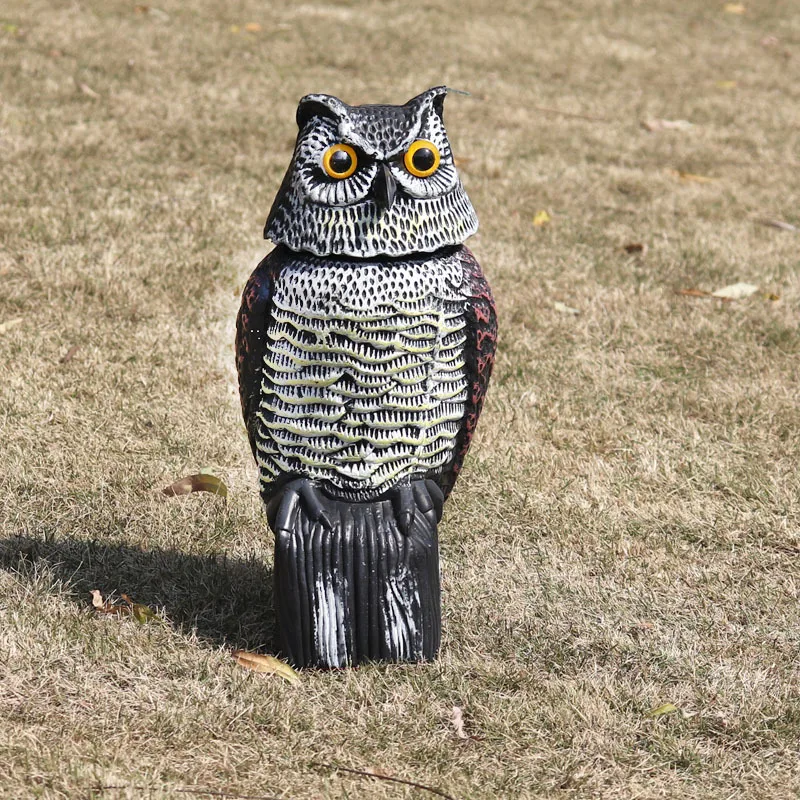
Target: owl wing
[
  {"x": 252, "y": 323},
  {"x": 479, "y": 350}
]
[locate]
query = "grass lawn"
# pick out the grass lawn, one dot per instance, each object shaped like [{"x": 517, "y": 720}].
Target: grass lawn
[{"x": 626, "y": 533}]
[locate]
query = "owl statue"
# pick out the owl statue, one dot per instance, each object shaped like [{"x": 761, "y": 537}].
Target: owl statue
[{"x": 364, "y": 345}]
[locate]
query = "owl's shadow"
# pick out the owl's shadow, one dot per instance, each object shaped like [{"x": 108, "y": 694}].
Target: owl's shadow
[{"x": 228, "y": 602}]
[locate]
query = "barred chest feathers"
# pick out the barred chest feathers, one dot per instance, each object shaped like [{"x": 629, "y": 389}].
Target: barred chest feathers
[{"x": 364, "y": 380}]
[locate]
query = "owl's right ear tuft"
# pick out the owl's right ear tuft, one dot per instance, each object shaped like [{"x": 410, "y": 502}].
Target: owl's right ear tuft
[{"x": 320, "y": 105}]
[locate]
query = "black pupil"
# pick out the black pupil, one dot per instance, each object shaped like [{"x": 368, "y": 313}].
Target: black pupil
[
  {"x": 340, "y": 161},
  {"x": 423, "y": 159}
]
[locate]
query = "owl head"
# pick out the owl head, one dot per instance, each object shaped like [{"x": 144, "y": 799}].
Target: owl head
[{"x": 371, "y": 180}]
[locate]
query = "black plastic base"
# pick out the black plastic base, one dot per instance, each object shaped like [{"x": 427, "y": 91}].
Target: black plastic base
[{"x": 356, "y": 589}]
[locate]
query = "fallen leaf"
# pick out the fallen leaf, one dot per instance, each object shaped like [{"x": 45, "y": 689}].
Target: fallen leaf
[
  {"x": 140, "y": 613},
  {"x": 201, "y": 482},
  {"x": 636, "y": 248},
  {"x": 540, "y": 218},
  {"x": 563, "y": 308},
  {"x": 693, "y": 293},
  {"x": 266, "y": 664},
  {"x": 141, "y": 9},
  {"x": 87, "y": 90},
  {"x": 653, "y": 125},
  {"x": 690, "y": 177},
  {"x": 9, "y": 324},
  {"x": 253, "y": 27},
  {"x": 660, "y": 711},
  {"x": 726, "y": 84},
  {"x": 69, "y": 355},
  {"x": 736, "y": 291},
  {"x": 734, "y": 8},
  {"x": 106, "y": 606},
  {"x": 777, "y": 223},
  {"x": 457, "y": 718},
  {"x": 773, "y": 297}
]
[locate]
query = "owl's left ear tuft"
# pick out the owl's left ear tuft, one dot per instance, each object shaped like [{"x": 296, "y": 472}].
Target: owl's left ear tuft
[{"x": 320, "y": 105}]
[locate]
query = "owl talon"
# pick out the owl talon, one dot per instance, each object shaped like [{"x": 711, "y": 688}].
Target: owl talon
[
  {"x": 285, "y": 505},
  {"x": 313, "y": 501},
  {"x": 285, "y": 511},
  {"x": 429, "y": 500},
  {"x": 404, "y": 508},
  {"x": 437, "y": 496}
]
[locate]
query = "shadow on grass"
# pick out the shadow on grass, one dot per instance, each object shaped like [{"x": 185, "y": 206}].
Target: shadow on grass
[{"x": 228, "y": 601}]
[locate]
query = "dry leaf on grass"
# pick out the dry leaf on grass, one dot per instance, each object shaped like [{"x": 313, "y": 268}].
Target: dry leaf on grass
[
  {"x": 726, "y": 84},
  {"x": 201, "y": 482},
  {"x": 9, "y": 324},
  {"x": 266, "y": 664},
  {"x": 457, "y": 718},
  {"x": 734, "y": 8},
  {"x": 736, "y": 291},
  {"x": 101, "y": 605},
  {"x": 777, "y": 223},
  {"x": 253, "y": 27},
  {"x": 138, "y": 611},
  {"x": 636, "y": 248},
  {"x": 690, "y": 177},
  {"x": 654, "y": 125},
  {"x": 69, "y": 355},
  {"x": 660, "y": 711},
  {"x": 88, "y": 91},
  {"x": 563, "y": 308},
  {"x": 541, "y": 218}
]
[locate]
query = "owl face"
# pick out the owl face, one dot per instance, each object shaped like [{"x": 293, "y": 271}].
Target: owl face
[{"x": 369, "y": 181}]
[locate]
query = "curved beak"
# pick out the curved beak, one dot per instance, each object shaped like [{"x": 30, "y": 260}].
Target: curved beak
[{"x": 384, "y": 188}]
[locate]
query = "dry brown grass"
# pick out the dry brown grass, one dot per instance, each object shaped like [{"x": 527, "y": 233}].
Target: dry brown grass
[{"x": 627, "y": 532}]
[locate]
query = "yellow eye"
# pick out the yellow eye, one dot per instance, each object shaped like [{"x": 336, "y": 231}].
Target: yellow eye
[
  {"x": 422, "y": 158},
  {"x": 340, "y": 161}
]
